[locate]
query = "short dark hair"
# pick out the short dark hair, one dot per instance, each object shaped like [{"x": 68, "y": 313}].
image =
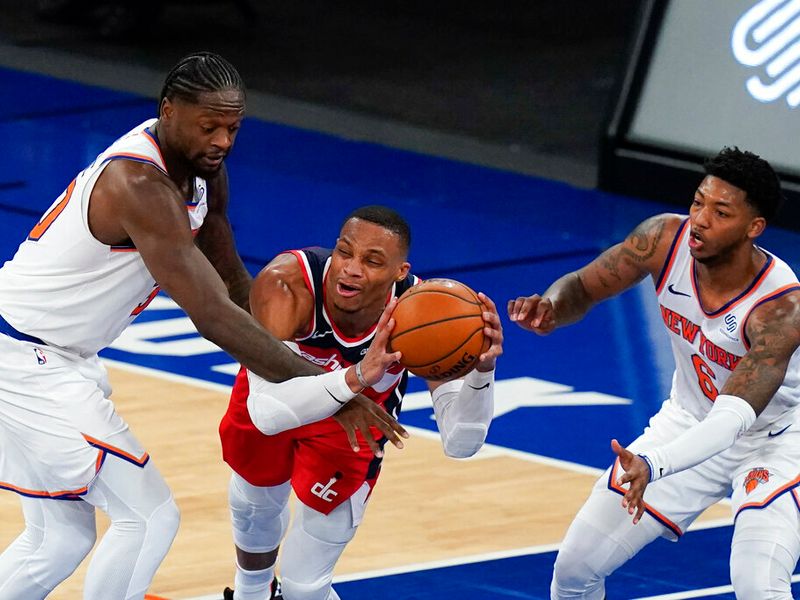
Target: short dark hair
[
  {"x": 386, "y": 218},
  {"x": 199, "y": 73},
  {"x": 751, "y": 173}
]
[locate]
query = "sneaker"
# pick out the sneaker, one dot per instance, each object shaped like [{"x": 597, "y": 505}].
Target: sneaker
[{"x": 274, "y": 591}]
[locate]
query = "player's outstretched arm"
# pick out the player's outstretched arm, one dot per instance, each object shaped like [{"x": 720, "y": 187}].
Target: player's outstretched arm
[
  {"x": 215, "y": 240},
  {"x": 133, "y": 200},
  {"x": 773, "y": 330},
  {"x": 464, "y": 407},
  {"x": 620, "y": 267}
]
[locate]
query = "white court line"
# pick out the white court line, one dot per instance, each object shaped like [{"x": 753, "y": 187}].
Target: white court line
[{"x": 722, "y": 589}]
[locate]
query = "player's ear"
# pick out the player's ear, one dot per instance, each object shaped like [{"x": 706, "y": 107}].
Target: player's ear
[
  {"x": 756, "y": 228},
  {"x": 404, "y": 268},
  {"x": 166, "y": 109}
]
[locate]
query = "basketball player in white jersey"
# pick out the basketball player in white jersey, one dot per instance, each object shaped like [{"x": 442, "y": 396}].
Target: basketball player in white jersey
[
  {"x": 731, "y": 424},
  {"x": 326, "y": 303},
  {"x": 124, "y": 228}
]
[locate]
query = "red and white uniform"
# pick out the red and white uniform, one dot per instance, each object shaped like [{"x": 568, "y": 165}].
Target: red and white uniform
[
  {"x": 707, "y": 346},
  {"x": 63, "y": 297},
  {"x": 317, "y": 458}
]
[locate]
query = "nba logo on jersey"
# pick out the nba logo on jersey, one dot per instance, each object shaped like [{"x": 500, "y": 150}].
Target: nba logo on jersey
[{"x": 40, "y": 357}]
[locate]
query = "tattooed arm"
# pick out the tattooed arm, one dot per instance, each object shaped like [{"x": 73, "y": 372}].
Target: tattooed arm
[
  {"x": 773, "y": 330},
  {"x": 620, "y": 267}
]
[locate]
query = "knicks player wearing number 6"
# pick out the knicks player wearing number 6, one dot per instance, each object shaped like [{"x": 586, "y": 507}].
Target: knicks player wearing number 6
[
  {"x": 730, "y": 425},
  {"x": 326, "y": 304},
  {"x": 149, "y": 212}
]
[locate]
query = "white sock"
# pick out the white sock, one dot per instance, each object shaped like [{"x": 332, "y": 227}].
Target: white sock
[{"x": 252, "y": 585}]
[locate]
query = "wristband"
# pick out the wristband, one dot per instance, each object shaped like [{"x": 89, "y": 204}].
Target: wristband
[{"x": 360, "y": 376}]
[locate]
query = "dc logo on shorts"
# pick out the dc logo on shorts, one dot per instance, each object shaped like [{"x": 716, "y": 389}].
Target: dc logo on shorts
[
  {"x": 767, "y": 37},
  {"x": 40, "y": 357},
  {"x": 324, "y": 491}
]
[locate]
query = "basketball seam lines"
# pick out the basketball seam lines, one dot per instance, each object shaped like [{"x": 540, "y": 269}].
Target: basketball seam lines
[
  {"x": 429, "y": 323},
  {"x": 453, "y": 351},
  {"x": 475, "y": 302}
]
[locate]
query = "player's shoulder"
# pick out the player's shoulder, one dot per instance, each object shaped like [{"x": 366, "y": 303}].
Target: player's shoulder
[{"x": 774, "y": 321}]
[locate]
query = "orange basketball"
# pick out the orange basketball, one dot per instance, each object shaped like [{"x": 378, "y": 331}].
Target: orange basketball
[{"x": 439, "y": 329}]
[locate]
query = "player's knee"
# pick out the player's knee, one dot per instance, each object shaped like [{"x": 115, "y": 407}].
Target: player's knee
[
  {"x": 54, "y": 555},
  {"x": 259, "y": 515},
  {"x": 573, "y": 576},
  {"x": 165, "y": 520},
  {"x": 761, "y": 570}
]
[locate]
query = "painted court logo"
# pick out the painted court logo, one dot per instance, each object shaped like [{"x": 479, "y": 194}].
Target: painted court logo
[
  {"x": 767, "y": 38},
  {"x": 754, "y": 477}
]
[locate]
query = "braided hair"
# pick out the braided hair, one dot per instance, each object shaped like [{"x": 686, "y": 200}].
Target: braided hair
[{"x": 199, "y": 73}]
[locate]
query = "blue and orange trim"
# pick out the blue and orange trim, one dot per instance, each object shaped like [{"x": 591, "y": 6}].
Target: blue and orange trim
[
  {"x": 615, "y": 487},
  {"x": 103, "y": 449},
  {"x": 789, "y": 487},
  {"x": 673, "y": 251},
  {"x": 731, "y": 304}
]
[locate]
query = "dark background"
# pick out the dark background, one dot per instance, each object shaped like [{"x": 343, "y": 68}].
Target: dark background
[{"x": 533, "y": 79}]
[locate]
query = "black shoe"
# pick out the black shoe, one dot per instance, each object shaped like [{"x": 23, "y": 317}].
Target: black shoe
[{"x": 274, "y": 591}]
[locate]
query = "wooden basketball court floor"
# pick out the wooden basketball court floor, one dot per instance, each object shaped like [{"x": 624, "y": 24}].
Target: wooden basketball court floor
[{"x": 435, "y": 528}]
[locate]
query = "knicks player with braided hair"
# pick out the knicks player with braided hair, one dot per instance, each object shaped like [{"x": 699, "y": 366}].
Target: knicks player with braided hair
[
  {"x": 326, "y": 304},
  {"x": 732, "y": 422},
  {"x": 149, "y": 213}
]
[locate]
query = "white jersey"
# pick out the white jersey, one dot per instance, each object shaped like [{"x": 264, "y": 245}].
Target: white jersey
[
  {"x": 68, "y": 289},
  {"x": 707, "y": 345}
]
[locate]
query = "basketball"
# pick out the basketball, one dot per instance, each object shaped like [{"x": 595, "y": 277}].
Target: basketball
[{"x": 439, "y": 329}]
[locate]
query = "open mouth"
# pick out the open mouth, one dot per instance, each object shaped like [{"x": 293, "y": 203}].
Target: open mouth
[
  {"x": 695, "y": 240},
  {"x": 347, "y": 290}
]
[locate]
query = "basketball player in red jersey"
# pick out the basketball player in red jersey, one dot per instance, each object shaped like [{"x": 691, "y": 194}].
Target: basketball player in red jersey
[
  {"x": 730, "y": 425},
  {"x": 326, "y": 304}
]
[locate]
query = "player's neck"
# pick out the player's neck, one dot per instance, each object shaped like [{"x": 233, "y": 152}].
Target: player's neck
[
  {"x": 177, "y": 168},
  {"x": 731, "y": 274},
  {"x": 355, "y": 324}
]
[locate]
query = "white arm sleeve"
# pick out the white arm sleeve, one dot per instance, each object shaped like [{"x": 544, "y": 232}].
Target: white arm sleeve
[
  {"x": 464, "y": 409},
  {"x": 729, "y": 418},
  {"x": 277, "y": 407}
]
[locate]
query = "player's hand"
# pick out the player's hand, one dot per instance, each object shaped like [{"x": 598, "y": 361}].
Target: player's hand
[
  {"x": 378, "y": 359},
  {"x": 493, "y": 331},
  {"x": 361, "y": 413},
  {"x": 533, "y": 313},
  {"x": 637, "y": 473}
]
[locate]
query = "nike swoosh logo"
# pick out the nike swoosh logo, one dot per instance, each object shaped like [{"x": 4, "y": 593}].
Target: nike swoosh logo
[
  {"x": 334, "y": 397},
  {"x": 483, "y": 387},
  {"x": 676, "y": 292},
  {"x": 777, "y": 433}
]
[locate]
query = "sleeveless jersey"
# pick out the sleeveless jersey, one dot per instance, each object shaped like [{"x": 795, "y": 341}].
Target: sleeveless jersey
[
  {"x": 68, "y": 289},
  {"x": 325, "y": 345},
  {"x": 707, "y": 345}
]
